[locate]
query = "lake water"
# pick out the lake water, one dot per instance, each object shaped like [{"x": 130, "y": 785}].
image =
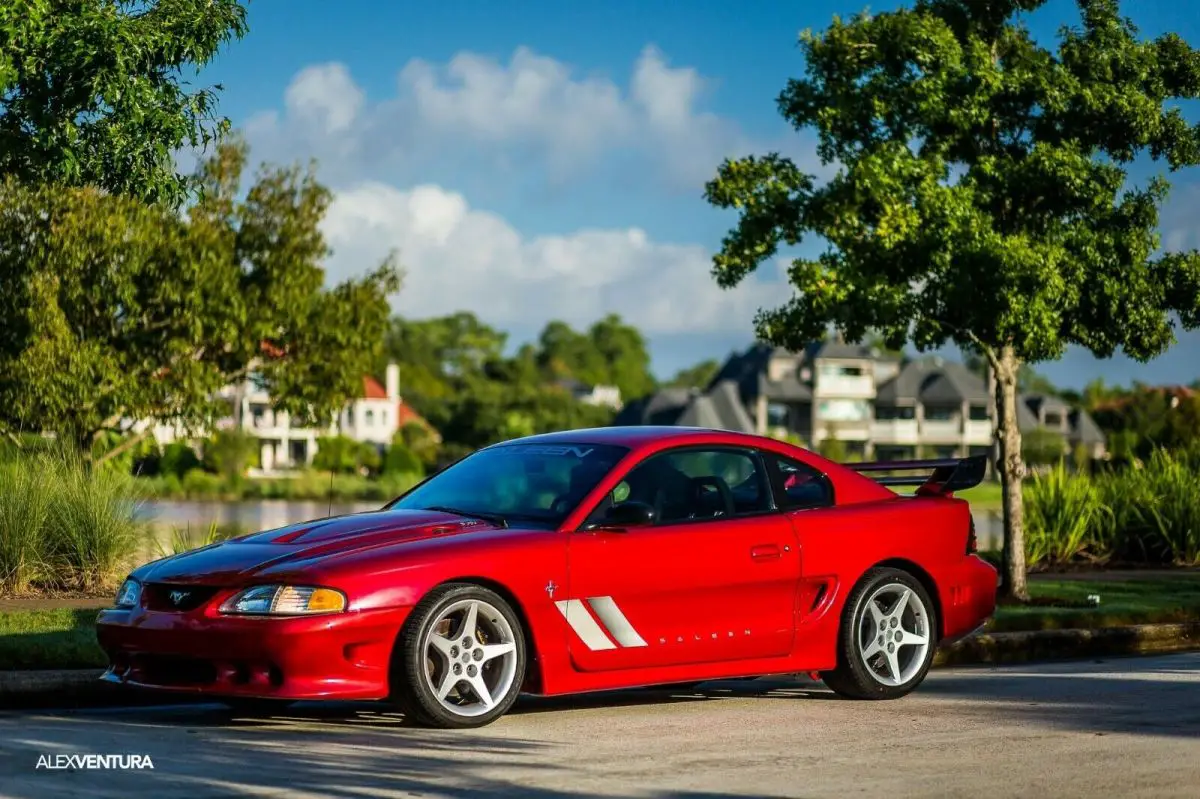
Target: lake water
[{"x": 198, "y": 516}]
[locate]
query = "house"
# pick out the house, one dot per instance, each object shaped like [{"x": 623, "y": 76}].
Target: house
[
  {"x": 877, "y": 404},
  {"x": 373, "y": 417},
  {"x": 607, "y": 396},
  {"x": 1051, "y": 414}
]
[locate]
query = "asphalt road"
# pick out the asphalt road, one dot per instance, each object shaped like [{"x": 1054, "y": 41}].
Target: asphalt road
[{"x": 1113, "y": 728}]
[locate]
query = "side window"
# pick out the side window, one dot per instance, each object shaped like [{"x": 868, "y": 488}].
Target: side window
[
  {"x": 799, "y": 485},
  {"x": 695, "y": 485}
]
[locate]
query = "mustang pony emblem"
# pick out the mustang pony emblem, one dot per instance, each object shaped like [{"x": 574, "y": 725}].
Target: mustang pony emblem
[{"x": 177, "y": 597}]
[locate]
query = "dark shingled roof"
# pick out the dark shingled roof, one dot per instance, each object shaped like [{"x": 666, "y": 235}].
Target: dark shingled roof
[
  {"x": 749, "y": 373},
  {"x": 938, "y": 383},
  {"x": 721, "y": 409},
  {"x": 1084, "y": 428}
]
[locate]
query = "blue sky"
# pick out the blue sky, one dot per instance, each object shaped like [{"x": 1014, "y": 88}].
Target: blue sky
[{"x": 536, "y": 160}]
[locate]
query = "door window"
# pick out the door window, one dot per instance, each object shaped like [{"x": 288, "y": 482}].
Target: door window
[
  {"x": 799, "y": 485},
  {"x": 695, "y": 485}
]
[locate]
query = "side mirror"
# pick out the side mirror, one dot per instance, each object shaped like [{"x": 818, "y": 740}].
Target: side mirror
[{"x": 628, "y": 514}]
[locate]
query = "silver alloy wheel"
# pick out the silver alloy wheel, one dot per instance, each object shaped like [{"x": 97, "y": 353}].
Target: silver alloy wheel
[
  {"x": 470, "y": 657},
  {"x": 893, "y": 634}
]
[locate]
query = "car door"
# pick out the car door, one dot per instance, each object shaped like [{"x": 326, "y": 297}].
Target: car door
[{"x": 713, "y": 578}]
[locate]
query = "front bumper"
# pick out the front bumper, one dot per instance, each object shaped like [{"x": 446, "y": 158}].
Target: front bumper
[{"x": 337, "y": 656}]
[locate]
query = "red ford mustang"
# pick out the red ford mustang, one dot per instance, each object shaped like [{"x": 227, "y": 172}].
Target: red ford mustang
[{"x": 570, "y": 562}]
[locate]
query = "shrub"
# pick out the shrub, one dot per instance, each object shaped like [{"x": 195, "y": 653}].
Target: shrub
[
  {"x": 25, "y": 502},
  {"x": 230, "y": 453},
  {"x": 344, "y": 455},
  {"x": 177, "y": 460},
  {"x": 402, "y": 460},
  {"x": 93, "y": 529},
  {"x": 199, "y": 483},
  {"x": 1064, "y": 518}
]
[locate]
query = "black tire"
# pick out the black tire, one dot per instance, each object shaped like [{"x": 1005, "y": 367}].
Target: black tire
[
  {"x": 256, "y": 706},
  {"x": 411, "y": 691},
  {"x": 852, "y": 678}
]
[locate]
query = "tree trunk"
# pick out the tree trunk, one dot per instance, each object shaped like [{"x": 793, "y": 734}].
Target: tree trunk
[{"x": 1012, "y": 471}]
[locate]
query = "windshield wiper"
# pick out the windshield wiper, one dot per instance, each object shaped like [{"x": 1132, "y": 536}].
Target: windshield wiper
[{"x": 495, "y": 519}]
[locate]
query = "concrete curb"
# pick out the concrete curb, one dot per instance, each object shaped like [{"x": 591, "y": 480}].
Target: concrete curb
[
  {"x": 1041, "y": 645},
  {"x": 83, "y": 687}
]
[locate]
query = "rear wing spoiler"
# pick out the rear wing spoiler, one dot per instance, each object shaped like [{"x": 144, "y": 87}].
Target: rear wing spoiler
[{"x": 942, "y": 476}]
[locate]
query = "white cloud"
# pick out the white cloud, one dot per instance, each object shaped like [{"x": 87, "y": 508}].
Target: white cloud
[
  {"x": 457, "y": 258},
  {"x": 533, "y": 106}
]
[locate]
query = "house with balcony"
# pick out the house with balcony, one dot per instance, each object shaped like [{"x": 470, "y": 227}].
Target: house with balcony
[
  {"x": 877, "y": 404},
  {"x": 373, "y": 417}
]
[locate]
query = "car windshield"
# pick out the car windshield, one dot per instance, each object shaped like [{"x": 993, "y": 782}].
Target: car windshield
[{"x": 531, "y": 483}]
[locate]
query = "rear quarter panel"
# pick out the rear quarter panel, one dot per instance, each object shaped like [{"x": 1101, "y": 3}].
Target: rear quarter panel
[{"x": 838, "y": 545}]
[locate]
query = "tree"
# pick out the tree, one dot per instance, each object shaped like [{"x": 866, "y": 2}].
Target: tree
[
  {"x": 92, "y": 92},
  {"x": 610, "y": 352},
  {"x": 116, "y": 312},
  {"x": 696, "y": 376},
  {"x": 344, "y": 455},
  {"x": 230, "y": 453},
  {"x": 980, "y": 197}
]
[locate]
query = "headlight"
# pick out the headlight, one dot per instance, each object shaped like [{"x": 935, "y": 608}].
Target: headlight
[
  {"x": 284, "y": 600},
  {"x": 128, "y": 594}
]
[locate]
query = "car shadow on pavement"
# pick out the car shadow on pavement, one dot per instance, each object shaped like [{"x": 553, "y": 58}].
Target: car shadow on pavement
[
  {"x": 344, "y": 755},
  {"x": 341, "y": 750}
]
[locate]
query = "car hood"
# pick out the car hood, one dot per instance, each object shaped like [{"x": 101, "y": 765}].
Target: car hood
[{"x": 309, "y": 543}]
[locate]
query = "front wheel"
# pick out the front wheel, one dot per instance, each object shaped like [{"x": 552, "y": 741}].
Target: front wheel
[
  {"x": 460, "y": 659},
  {"x": 887, "y": 637}
]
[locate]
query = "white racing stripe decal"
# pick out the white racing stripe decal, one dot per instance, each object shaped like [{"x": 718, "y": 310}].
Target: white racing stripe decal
[
  {"x": 581, "y": 621},
  {"x": 612, "y": 618}
]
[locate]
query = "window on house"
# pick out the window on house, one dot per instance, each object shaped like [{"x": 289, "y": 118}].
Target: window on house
[
  {"x": 844, "y": 410},
  {"x": 850, "y": 371},
  {"x": 936, "y": 414},
  {"x": 891, "y": 413},
  {"x": 369, "y": 418},
  {"x": 777, "y": 414},
  {"x": 979, "y": 413},
  {"x": 1054, "y": 420}
]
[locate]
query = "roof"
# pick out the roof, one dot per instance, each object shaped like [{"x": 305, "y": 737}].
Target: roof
[
  {"x": 721, "y": 408},
  {"x": 1084, "y": 429},
  {"x": 372, "y": 388},
  {"x": 748, "y": 372},
  {"x": 842, "y": 349},
  {"x": 1037, "y": 402},
  {"x": 660, "y": 408},
  {"x": 933, "y": 381}
]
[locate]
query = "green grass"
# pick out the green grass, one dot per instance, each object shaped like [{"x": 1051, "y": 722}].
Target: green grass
[
  {"x": 1122, "y": 602},
  {"x": 984, "y": 495},
  {"x": 63, "y": 638}
]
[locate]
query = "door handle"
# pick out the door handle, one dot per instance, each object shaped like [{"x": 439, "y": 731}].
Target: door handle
[{"x": 765, "y": 552}]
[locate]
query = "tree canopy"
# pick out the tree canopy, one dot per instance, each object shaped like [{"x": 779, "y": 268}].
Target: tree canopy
[
  {"x": 455, "y": 373},
  {"x": 981, "y": 193},
  {"x": 94, "y": 92},
  {"x": 118, "y": 311}
]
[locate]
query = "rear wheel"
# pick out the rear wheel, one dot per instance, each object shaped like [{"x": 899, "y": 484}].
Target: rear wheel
[
  {"x": 887, "y": 638},
  {"x": 460, "y": 659}
]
